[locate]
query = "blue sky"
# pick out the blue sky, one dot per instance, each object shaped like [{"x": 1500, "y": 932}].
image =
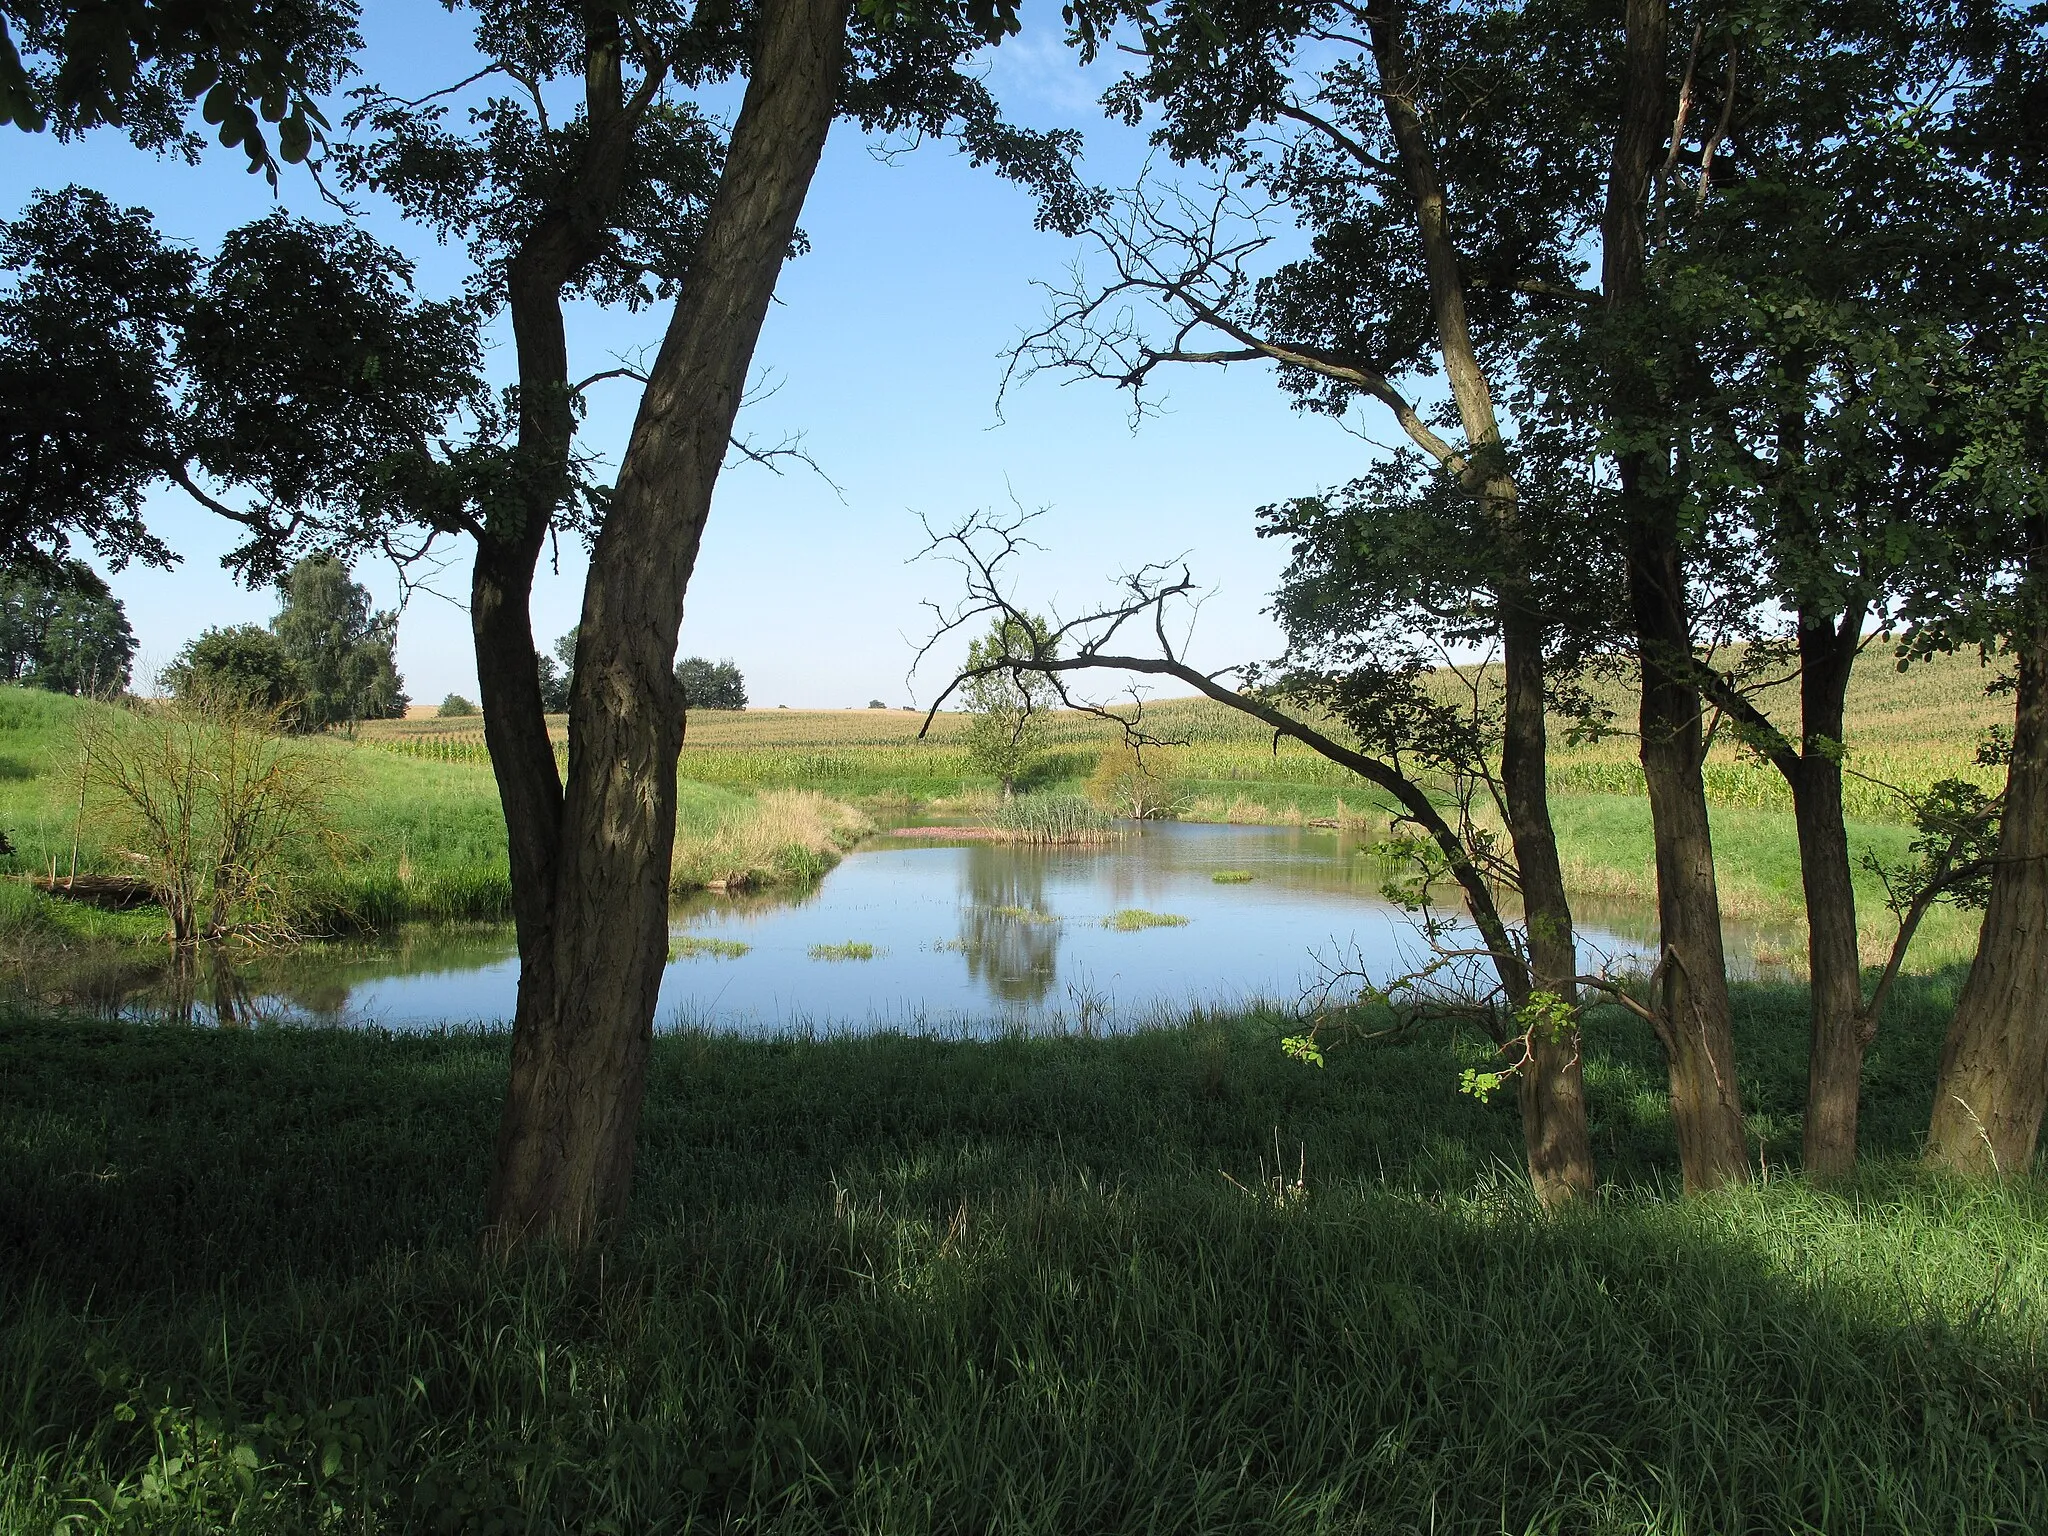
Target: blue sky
[{"x": 885, "y": 349}]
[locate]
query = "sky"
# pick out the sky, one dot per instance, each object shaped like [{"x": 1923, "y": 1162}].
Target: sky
[{"x": 884, "y": 351}]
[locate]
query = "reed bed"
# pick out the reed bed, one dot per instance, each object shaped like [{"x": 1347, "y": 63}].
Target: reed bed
[{"x": 1052, "y": 819}]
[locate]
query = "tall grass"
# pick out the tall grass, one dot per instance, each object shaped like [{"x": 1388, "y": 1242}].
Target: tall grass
[
  {"x": 778, "y": 836},
  {"x": 1051, "y": 819},
  {"x": 909, "y": 1285}
]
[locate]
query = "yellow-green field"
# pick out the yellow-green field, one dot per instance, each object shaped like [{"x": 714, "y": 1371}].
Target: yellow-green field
[{"x": 1905, "y": 732}]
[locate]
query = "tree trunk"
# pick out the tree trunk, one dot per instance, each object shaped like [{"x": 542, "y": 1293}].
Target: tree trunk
[
  {"x": 1993, "y": 1082},
  {"x": 585, "y": 1026},
  {"x": 1706, "y": 1109},
  {"x": 1693, "y": 981},
  {"x": 1552, "y": 1084},
  {"x": 1838, "y": 1029}
]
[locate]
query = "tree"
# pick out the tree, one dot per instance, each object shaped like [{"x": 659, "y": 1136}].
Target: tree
[
  {"x": 244, "y": 663},
  {"x": 556, "y": 671},
  {"x": 1394, "y": 134},
  {"x": 455, "y": 707},
  {"x": 70, "y": 635},
  {"x": 1991, "y": 1089},
  {"x": 621, "y": 199},
  {"x": 340, "y": 649},
  {"x": 1006, "y": 705},
  {"x": 138, "y": 66},
  {"x": 711, "y": 684},
  {"x": 622, "y": 202},
  {"x": 293, "y": 366}
]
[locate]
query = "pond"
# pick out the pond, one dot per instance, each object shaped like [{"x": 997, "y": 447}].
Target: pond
[{"x": 954, "y": 936}]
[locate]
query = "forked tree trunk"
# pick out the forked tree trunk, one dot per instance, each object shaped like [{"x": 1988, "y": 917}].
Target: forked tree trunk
[
  {"x": 1993, "y": 1082},
  {"x": 584, "y": 1025},
  {"x": 1697, "y": 1031}
]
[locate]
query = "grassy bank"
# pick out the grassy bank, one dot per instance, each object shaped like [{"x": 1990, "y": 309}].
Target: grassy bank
[
  {"x": 422, "y": 839},
  {"x": 901, "y": 1286}
]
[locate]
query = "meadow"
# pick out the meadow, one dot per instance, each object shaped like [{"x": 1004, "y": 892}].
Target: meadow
[{"x": 1163, "y": 1282}]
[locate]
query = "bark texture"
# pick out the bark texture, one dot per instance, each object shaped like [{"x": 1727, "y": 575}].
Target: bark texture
[
  {"x": 1551, "y": 1084},
  {"x": 1692, "y": 992},
  {"x": 585, "y": 1019},
  {"x": 1993, "y": 1082},
  {"x": 1839, "y": 1029}
]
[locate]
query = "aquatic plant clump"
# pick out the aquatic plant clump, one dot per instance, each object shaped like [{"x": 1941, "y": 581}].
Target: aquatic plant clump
[
  {"x": 847, "y": 951},
  {"x": 1232, "y": 877},
  {"x": 690, "y": 946},
  {"x": 1052, "y": 819},
  {"x": 1131, "y": 919},
  {"x": 779, "y": 836},
  {"x": 1026, "y": 915}
]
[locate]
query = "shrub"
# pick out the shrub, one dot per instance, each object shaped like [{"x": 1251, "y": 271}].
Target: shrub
[
  {"x": 455, "y": 707},
  {"x": 223, "y": 813},
  {"x": 1136, "y": 783}
]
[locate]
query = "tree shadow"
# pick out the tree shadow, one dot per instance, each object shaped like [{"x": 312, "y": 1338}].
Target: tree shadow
[{"x": 1165, "y": 1280}]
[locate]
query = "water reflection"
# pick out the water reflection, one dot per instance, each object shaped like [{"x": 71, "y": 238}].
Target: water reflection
[{"x": 1008, "y": 932}]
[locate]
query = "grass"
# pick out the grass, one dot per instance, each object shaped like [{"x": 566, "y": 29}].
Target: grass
[
  {"x": 1131, "y": 919},
  {"x": 424, "y": 837},
  {"x": 776, "y": 837},
  {"x": 910, "y": 1285},
  {"x": 1233, "y": 877},
  {"x": 847, "y": 951},
  {"x": 693, "y": 946},
  {"x": 1044, "y": 818}
]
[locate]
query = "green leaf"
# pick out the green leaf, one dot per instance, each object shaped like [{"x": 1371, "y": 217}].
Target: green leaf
[{"x": 330, "y": 1458}]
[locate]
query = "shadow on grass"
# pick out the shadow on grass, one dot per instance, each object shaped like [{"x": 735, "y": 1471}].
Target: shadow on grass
[{"x": 900, "y": 1285}]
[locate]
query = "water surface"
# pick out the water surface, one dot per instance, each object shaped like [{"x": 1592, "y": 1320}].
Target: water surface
[{"x": 970, "y": 937}]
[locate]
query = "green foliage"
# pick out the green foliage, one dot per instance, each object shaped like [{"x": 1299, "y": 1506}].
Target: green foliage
[
  {"x": 294, "y": 365},
  {"x": 1233, "y": 877},
  {"x": 556, "y": 674},
  {"x": 1138, "y": 782},
  {"x": 246, "y": 663},
  {"x": 139, "y": 69},
  {"x": 1007, "y": 704},
  {"x": 711, "y": 684},
  {"x": 226, "y": 815},
  {"x": 340, "y": 650},
  {"x": 63, "y": 630},
  {"x": 455, "y": 707}
]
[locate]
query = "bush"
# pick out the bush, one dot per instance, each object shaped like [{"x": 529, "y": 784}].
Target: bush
[
  {"x": 1134, "y": 783},
  {"x": 244, "y": 663},
  {"x": 455, "y": 707}
]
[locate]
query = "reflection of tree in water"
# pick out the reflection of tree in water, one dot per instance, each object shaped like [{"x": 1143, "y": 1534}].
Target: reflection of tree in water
[{"x": 1014, "y": 956}]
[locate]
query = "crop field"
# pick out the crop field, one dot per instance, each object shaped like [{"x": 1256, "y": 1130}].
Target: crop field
[{"x": 1905, "y": 732}]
